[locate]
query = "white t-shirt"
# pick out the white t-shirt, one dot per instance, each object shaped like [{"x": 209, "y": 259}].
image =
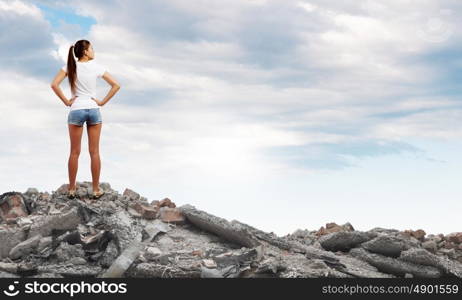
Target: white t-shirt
[{"x": 87, "y": 73}]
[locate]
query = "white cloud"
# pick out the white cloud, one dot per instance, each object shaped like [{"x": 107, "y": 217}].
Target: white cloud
[{"x": 21, "y": 8}]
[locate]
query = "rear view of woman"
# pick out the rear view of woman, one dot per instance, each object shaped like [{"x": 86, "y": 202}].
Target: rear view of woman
[{"x": 84, "y": 107}]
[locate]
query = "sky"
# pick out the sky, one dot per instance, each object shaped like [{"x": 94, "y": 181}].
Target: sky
[{"x": 280, "y": 114}]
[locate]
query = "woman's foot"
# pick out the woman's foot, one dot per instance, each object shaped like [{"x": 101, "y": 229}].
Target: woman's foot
[
  {"x": 98, "y": 194},
  {"x": 71, "y": 194}
]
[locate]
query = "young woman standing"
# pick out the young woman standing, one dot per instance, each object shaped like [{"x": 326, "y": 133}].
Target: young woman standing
[{"x": 84, "y": 107}]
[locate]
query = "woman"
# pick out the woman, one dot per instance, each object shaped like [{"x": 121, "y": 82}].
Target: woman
[{"x": 84, "y": 107}]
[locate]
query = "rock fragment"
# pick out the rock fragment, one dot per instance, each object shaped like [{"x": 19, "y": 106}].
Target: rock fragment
[{"x": 25, "y": 247}]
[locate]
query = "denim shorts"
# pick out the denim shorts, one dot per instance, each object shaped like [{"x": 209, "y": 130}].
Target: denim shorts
[{"x": 78, "y": 116}]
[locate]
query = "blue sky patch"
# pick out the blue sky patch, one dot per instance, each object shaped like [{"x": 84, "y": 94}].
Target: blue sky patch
[{"x": 66, "y": 15}]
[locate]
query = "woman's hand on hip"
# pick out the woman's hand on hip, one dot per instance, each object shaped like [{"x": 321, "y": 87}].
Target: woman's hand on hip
[
  {"x": 70, "y": 102},
  {"x": 97, "y": 101}
]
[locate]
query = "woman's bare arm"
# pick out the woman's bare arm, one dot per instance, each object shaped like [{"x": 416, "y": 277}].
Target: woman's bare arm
[
  {"x": 55, "y": 86},
  {"x": 115, "y": 86}
]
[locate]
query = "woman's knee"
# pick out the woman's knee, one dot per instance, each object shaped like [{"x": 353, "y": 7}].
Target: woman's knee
[
  {"x": 94, "y": 152},
  {"x": 75, "y": 152}
]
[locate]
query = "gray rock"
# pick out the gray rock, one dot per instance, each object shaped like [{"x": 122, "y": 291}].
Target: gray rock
[
  {"x": 314, "y": 251},
  {"x": 78, "y": 261},
  {"x": 8, "y": 267},
  {"x": 359, "y": 268},
  {"x": 344, "y": 240},
  {"x": 44, "y": 243},
  {"x": 431, "y": 246},
  {"x": 451, "y": 253},
  {"x": 380, "y": 230},
  {"x": 388, "y": 245},
  {"x": 25, "y": 247},
  {"x": 63, "y": 221},
  {"x": 152, "y": 252},
  {"x": 9, "y": 238},
  {"x": 152, "y": 229},
  {"x": 394, "y": 266},
  {"x": 110, "y": 254},
  {"x": 229, "y": 231},
  {"x": 424, "y": 257},
  {"x": 124, "y": 227},
  {"x": 123, "y": 262},
  {"x": 65, "y": 252}
]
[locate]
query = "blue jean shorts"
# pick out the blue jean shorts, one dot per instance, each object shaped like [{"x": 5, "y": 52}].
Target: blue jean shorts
[{"x": 78, "y": 116}]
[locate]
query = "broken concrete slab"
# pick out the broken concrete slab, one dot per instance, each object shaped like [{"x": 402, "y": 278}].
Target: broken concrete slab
[
  {"x": 64, "y": 221},
  {"x": 25, "y": 247},
  {"x": 123, "y": 262},
  {"x": 359, "y": 268},
  {"x": 219, "y": 226},
  {"x": 389, "y": 245},
  {"x": 124, "y": 227},
  {"x": 424, "y": 257},
  {"x": 152, "y": 229},
  {"x": 109, "y": 256},
  {"x": 344, "y": 240},
  {"x": 10, "y": 237},
  {"x": 8, "y": 267},
  {"x": 394, "y": 266},
  {"x": 310, "y": 252}
]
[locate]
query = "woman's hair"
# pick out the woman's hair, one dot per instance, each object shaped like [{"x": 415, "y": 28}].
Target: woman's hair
[{"x": 79, "y": 50}]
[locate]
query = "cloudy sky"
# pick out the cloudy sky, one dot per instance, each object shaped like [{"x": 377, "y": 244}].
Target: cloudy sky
[{"x": 280, "y": 114}]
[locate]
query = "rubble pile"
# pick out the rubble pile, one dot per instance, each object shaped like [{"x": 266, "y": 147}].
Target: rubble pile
[{"x": 46, "y": 235}]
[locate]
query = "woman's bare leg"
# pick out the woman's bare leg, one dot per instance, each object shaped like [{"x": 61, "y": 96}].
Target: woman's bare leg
[
  {"x": 94, "y": 132},
  {"x": 75, "y": 134}
]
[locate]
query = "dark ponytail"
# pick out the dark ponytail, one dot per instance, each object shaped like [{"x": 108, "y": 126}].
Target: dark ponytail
[
  {"x": 78, "y": 50},
  {"x": 71, "y": 69}
]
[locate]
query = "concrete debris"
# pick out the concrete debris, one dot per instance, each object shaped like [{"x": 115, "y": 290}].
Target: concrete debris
[
  {"x": 389, "y": 245},
  {"x": 123, "y": 262},
  {"x": 48, "y": 235},
  {"x": 152, "y": 252},
  {"x": 344, "y": 240},
  {"x": 395, "y": 266},
  {"x": 62, "y": 221},
  {"x": 171, "y": 215},
  {"x": 232, "y": 232},
  {"x": 424, "y": 257},
  {"x": 12, "y": 206},
  {"x": 333, "y": 227},
  {"x": 9, "y": 238},
  {"x": 25, "y": 247}
]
